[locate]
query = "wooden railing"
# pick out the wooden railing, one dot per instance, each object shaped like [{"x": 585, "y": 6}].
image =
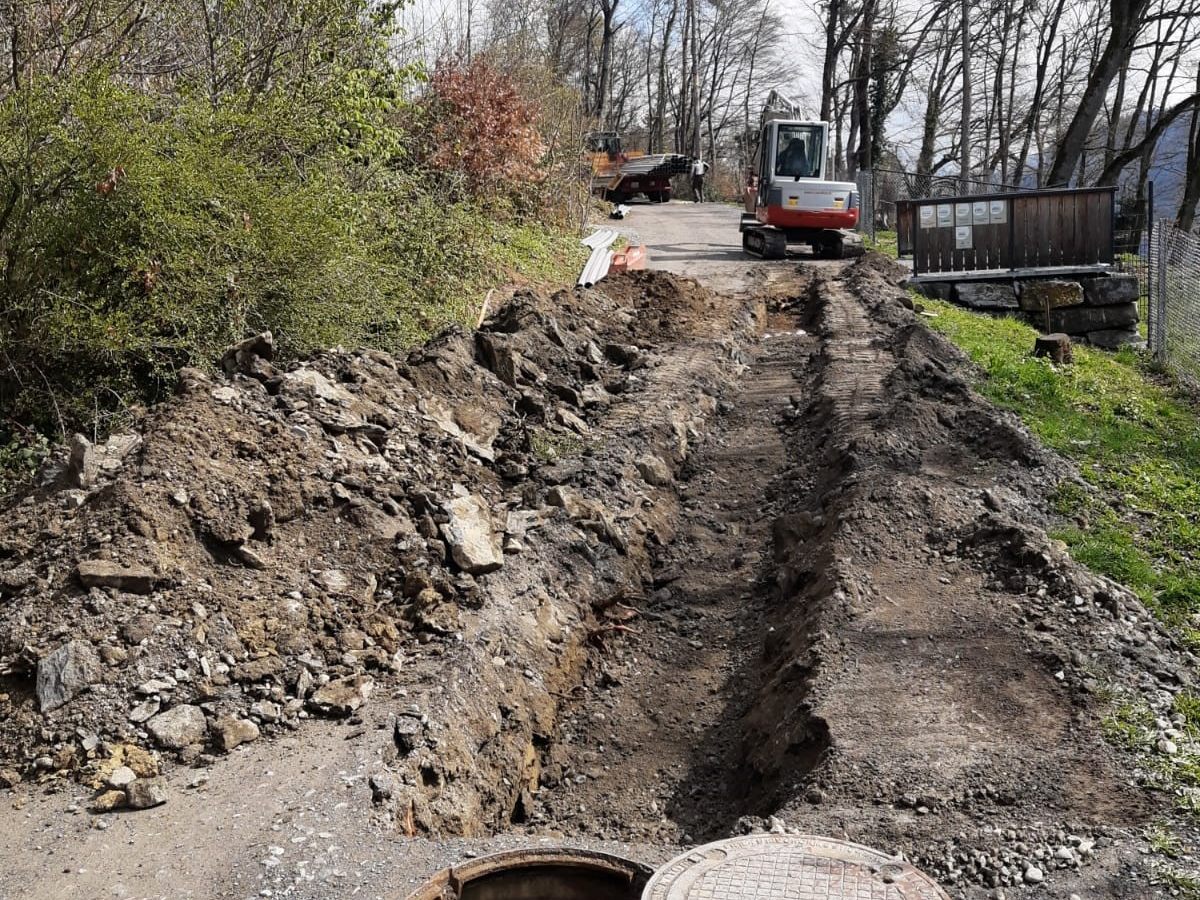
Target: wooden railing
[{"x": 1015, "y": 231}]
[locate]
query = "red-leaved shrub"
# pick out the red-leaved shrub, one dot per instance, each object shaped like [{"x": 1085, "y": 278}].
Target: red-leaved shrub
[{"x": 483, "y": 130}]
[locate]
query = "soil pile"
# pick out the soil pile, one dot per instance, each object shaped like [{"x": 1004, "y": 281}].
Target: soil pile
[{"x": 273, "y": 545}]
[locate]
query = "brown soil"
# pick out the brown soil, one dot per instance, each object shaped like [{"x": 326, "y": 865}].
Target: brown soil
[{"x": 779, "y": 571}]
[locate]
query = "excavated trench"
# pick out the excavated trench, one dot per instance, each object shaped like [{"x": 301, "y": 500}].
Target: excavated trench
[
  {"x": 652, "y": 738},
  {"x": 760, "y": 570},
  {"x": 831, "y": 640}
]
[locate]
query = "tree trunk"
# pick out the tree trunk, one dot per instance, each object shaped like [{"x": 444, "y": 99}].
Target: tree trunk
[
  {"x": 859, "y": 151},
  {"x": 933, "y": 107},
  {"x": 964, "y": 149},
  {"x": 1033, "y": 120},
  {"x": 695, "y": 140},
  {"x": 1186, "y": 217},
  {"x": 1125, "y": 17},
  {"x": 660, "y": 112},
  {"x": 608, "y": 9},
  {"x": 832, "y": 48}
]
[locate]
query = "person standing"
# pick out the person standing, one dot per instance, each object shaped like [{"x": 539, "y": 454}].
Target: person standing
[{"x": 699, "y": 168}]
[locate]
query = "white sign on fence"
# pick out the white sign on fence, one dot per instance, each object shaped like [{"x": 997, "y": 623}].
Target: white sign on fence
[
  {"x": 999, "y": 212},
  {"x": 962, "y": 237}
]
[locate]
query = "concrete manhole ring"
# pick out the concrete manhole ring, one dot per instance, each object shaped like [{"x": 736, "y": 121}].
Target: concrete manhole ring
[{"x": 789, "y": 867}]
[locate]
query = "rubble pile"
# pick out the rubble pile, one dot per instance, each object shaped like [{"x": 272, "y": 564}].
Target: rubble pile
[{"x": 279, "y": 543}]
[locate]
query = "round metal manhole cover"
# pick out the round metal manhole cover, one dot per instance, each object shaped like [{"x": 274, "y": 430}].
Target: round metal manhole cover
[{"x": 789, "y": 867}]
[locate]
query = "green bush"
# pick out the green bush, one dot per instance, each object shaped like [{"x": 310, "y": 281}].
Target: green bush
[{"x": 148, "y": 233}]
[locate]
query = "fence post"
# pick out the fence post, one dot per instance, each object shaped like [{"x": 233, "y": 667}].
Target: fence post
[
  {"x": 1012, "y": 234},
  {"x": 1153, "y": 323},
  {"x": 1160, "y": 298}
]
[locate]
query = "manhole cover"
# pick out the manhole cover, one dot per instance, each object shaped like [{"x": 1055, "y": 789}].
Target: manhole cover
[{"x": 788, "y": 867}]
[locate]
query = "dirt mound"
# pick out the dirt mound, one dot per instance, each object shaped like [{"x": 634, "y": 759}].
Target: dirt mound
[
  {"x": 862, "y": 629},
  {"x": 949, "y": 658},
  {"x": 273, "y": 545}
]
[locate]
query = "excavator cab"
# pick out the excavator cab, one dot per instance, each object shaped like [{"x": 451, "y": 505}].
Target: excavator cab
[
  {"x": 606, "y": 142},
  {"x": 788, "y": 199}
]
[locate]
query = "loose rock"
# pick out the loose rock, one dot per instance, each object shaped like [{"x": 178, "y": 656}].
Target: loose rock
[
  {"x": 654, "y": 471},
  {"x": 120, "y": 777},
  {"x": 178, "y": 727},
  {"x": 65, "y": 672},
  {"x": 470, "y": 536},
  {"x": 230, "y": 732},
  {"x": 341, "y": 697},
  {"x": 82, "y": 467},
  {"x": 106, "y": 573},
  {"x": 146, "y": 793}
]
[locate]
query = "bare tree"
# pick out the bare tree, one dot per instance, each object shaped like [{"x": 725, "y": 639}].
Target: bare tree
[
  {"x": 1126, "y": 18},
  {"x": 1186, "y": 216}
]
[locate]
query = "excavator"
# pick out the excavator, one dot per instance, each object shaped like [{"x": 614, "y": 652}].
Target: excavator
[{"x": 788, "y": 197}]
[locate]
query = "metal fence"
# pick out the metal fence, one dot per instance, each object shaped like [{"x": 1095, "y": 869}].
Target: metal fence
[{"x": 1173, "y": 305}]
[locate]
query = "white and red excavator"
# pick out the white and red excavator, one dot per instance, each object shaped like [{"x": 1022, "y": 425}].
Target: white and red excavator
[{"x": 788, "y": 197}]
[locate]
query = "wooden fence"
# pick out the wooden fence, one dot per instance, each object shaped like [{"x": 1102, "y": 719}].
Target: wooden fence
[{"x": 1024, "y": 230}]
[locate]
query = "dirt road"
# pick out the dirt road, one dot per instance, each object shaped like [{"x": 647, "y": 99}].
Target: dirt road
[
  {"x": 791, "y": 577},
  {"x": 701, "y": 241}
]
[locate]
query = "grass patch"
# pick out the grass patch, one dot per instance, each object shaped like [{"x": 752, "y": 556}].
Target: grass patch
[
  {"x": 884, "y": 242},
  {"x": 1132, "y": 726},
  {"x": 1184, "y": 887},
  {"x": 1134, "y": 439},
  {"x": 549, "y": 446}
]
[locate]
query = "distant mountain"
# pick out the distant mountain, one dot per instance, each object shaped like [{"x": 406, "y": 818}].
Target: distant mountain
[{"x": 1169, "y": 169}]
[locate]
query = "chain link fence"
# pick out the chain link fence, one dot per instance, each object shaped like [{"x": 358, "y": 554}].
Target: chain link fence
[{"x": 1173, "y": 307}]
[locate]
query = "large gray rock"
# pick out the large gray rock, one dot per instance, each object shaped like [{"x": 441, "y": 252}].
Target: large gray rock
[
  {"x": 178, "y": 727},
  {"x": 65, "y": 672},
  {"x": 1116, "y": 338},
  {"x": 470, "y": 536},
  {"x": 1107, "y": 290},
  {"x": 985, "y": 295},
  {"x": 82, "y": 466},
  {"x": 106, "y": 573},
  {"x": 1086, "y": 319},
  {"x": 1036, "y": 296}
]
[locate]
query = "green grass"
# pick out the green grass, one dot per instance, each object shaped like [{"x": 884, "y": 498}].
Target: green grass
[
  {"x": 1183, "y": 887},
  {"x": 1133, "y": 437},
  {"x": 884, "y": 242},
  {"x": 1130, "y": 725}
]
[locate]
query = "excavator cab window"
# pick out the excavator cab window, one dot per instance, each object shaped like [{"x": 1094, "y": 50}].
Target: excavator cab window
[
  {"x": 798, "y": 151},
  {"x": 604, "y": 142}
]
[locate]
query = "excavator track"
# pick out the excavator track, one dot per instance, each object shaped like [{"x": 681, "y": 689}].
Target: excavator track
[{"x": 765, "y": 243}]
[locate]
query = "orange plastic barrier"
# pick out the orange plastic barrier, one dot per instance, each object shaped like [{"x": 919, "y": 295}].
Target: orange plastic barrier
[{"x": 633, "y": 257}]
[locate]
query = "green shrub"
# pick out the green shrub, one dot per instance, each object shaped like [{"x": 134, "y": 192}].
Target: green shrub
[{"x": 147, "y": 233}]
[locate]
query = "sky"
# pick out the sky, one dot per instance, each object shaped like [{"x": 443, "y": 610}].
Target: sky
[{"x": 439, "y": 21}]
